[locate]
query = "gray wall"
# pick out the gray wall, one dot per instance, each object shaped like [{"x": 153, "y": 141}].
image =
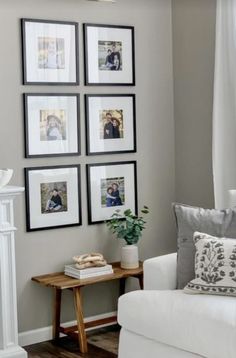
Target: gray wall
[
  {"x": 47, "y": 251},
  {"x": 193, "y": 58}
]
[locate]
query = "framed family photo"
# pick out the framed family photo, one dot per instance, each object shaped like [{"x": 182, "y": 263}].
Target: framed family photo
[
  {"x": 110, "y": 123},
  {"x": 53, "y": 197},
  {"x": 111, "y": 186},
  {"x": 50, "y": 52},
  {"x": 109, "y": 55},
  {"x": 52, "y": 125}
]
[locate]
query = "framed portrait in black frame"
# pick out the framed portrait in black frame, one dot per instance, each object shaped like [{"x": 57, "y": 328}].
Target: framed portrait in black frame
[
  {"x": 52, "y": 124},
  {"x": 50, "y": 52},
  {"x": 109, "y": 55},
  {"x": 110, "y": 123},
  {"x": 53, "y": 197},
  {"x": 111, "y": 186}
]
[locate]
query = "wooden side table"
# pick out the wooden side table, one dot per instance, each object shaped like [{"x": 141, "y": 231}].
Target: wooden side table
[{"x": 60, "y": 282}]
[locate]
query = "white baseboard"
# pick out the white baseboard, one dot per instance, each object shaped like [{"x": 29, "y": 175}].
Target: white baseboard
[{"x": 45, "y": 333}]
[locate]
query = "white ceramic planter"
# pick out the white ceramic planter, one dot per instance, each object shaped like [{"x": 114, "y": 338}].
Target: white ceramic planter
[{"x": 129, "y": 257}]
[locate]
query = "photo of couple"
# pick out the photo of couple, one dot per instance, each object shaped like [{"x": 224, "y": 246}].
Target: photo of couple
[
  {"x": 112, "y": 191},
  {"x": 110, "y": 55},
  {"x": 52, "y": 125},
  {"x": 53, "y": 197},
  {"x": 111, "y": 124}
]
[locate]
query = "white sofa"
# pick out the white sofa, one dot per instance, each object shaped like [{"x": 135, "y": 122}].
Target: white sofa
[{"x": 162, "y": 322}]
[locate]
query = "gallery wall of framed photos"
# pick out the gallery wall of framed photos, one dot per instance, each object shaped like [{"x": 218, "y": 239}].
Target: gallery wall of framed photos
[{"x": 52, "y": 121}]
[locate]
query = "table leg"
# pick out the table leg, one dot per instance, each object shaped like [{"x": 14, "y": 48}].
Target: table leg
[
  {"x": 56, "y": 313},
  {"x": 80, "y": 321},
  {"x": 122, "y": 286},
  {"x": 140, "y": 278}
]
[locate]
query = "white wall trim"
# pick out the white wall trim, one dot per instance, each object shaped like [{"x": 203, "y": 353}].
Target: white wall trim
[{"x": 45, "y": 333}]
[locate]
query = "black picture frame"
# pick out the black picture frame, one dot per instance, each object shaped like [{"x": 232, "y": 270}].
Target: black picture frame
[
  {"x": 127, "y": 114},
  {"x": 95, "y": 194},
  {"x": 24, "y": 57},
  {"x": 30, "y": 226},
  {"x": 87, "y": 81},
  {"x": 26, "y": 97}
]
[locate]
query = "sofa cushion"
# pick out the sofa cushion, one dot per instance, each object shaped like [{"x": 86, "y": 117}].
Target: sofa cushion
[
  {"x": 190, "y": 219},
  {"x": 215, "y": 266},
  {"x": 201, "y": 324}
]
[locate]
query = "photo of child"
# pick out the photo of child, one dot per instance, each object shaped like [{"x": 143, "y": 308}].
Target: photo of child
[
  {"x": 51, "y": 53},
  {"x": 112, "y": 192},
  {"x": 110, "y": 55},
  {"x": 111, "y": 124},
  {"x": 53, "y": 197},
  {"x": 52, "y": 125}
]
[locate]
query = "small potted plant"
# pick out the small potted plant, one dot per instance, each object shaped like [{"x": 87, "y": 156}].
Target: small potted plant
[{"x": 128, "y": 227}]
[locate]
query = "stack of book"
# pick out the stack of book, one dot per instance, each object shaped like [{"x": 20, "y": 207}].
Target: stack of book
[{"x": 73, "y": 271}]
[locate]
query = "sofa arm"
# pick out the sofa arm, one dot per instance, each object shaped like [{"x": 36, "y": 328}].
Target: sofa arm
[{"x": 160, "y": 273}]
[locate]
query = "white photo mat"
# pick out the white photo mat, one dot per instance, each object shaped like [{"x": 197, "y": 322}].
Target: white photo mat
[
  {"x": 41, "y": 176},
  {"x": 98, "y": 104},
  {"x": 35, "y": 104},
  {"x": 35, "y": 29},
  {"x": 99, "y": 172},
  {"x": 115, "y": 34}
]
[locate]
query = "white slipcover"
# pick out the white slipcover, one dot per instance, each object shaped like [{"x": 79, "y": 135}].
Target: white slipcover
[
  {"x": 135, "y": 346},
  {"x": 167, "y": 322}
]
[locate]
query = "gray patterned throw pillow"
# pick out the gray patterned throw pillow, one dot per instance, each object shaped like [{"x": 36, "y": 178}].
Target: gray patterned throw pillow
[
  {"x": 215, "y": 266},
  {"x": 220, "y": 223}
]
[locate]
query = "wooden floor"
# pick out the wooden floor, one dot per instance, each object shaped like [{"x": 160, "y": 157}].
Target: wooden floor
[{"x": 68, "y": 348}]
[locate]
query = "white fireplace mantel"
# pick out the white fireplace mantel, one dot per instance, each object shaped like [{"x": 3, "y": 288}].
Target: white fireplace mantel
[{"x": 9, "y": 347}]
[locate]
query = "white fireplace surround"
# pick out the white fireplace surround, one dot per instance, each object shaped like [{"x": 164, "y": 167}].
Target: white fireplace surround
[{"x": 9, "y": 347}]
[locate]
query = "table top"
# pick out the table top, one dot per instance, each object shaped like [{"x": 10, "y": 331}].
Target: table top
[{"x": 60, "y": 281}]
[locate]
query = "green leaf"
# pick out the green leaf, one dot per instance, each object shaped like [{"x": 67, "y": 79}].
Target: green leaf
[
  {"x": 127, "y": 212},
  {"x": 136, "y": 239}
]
